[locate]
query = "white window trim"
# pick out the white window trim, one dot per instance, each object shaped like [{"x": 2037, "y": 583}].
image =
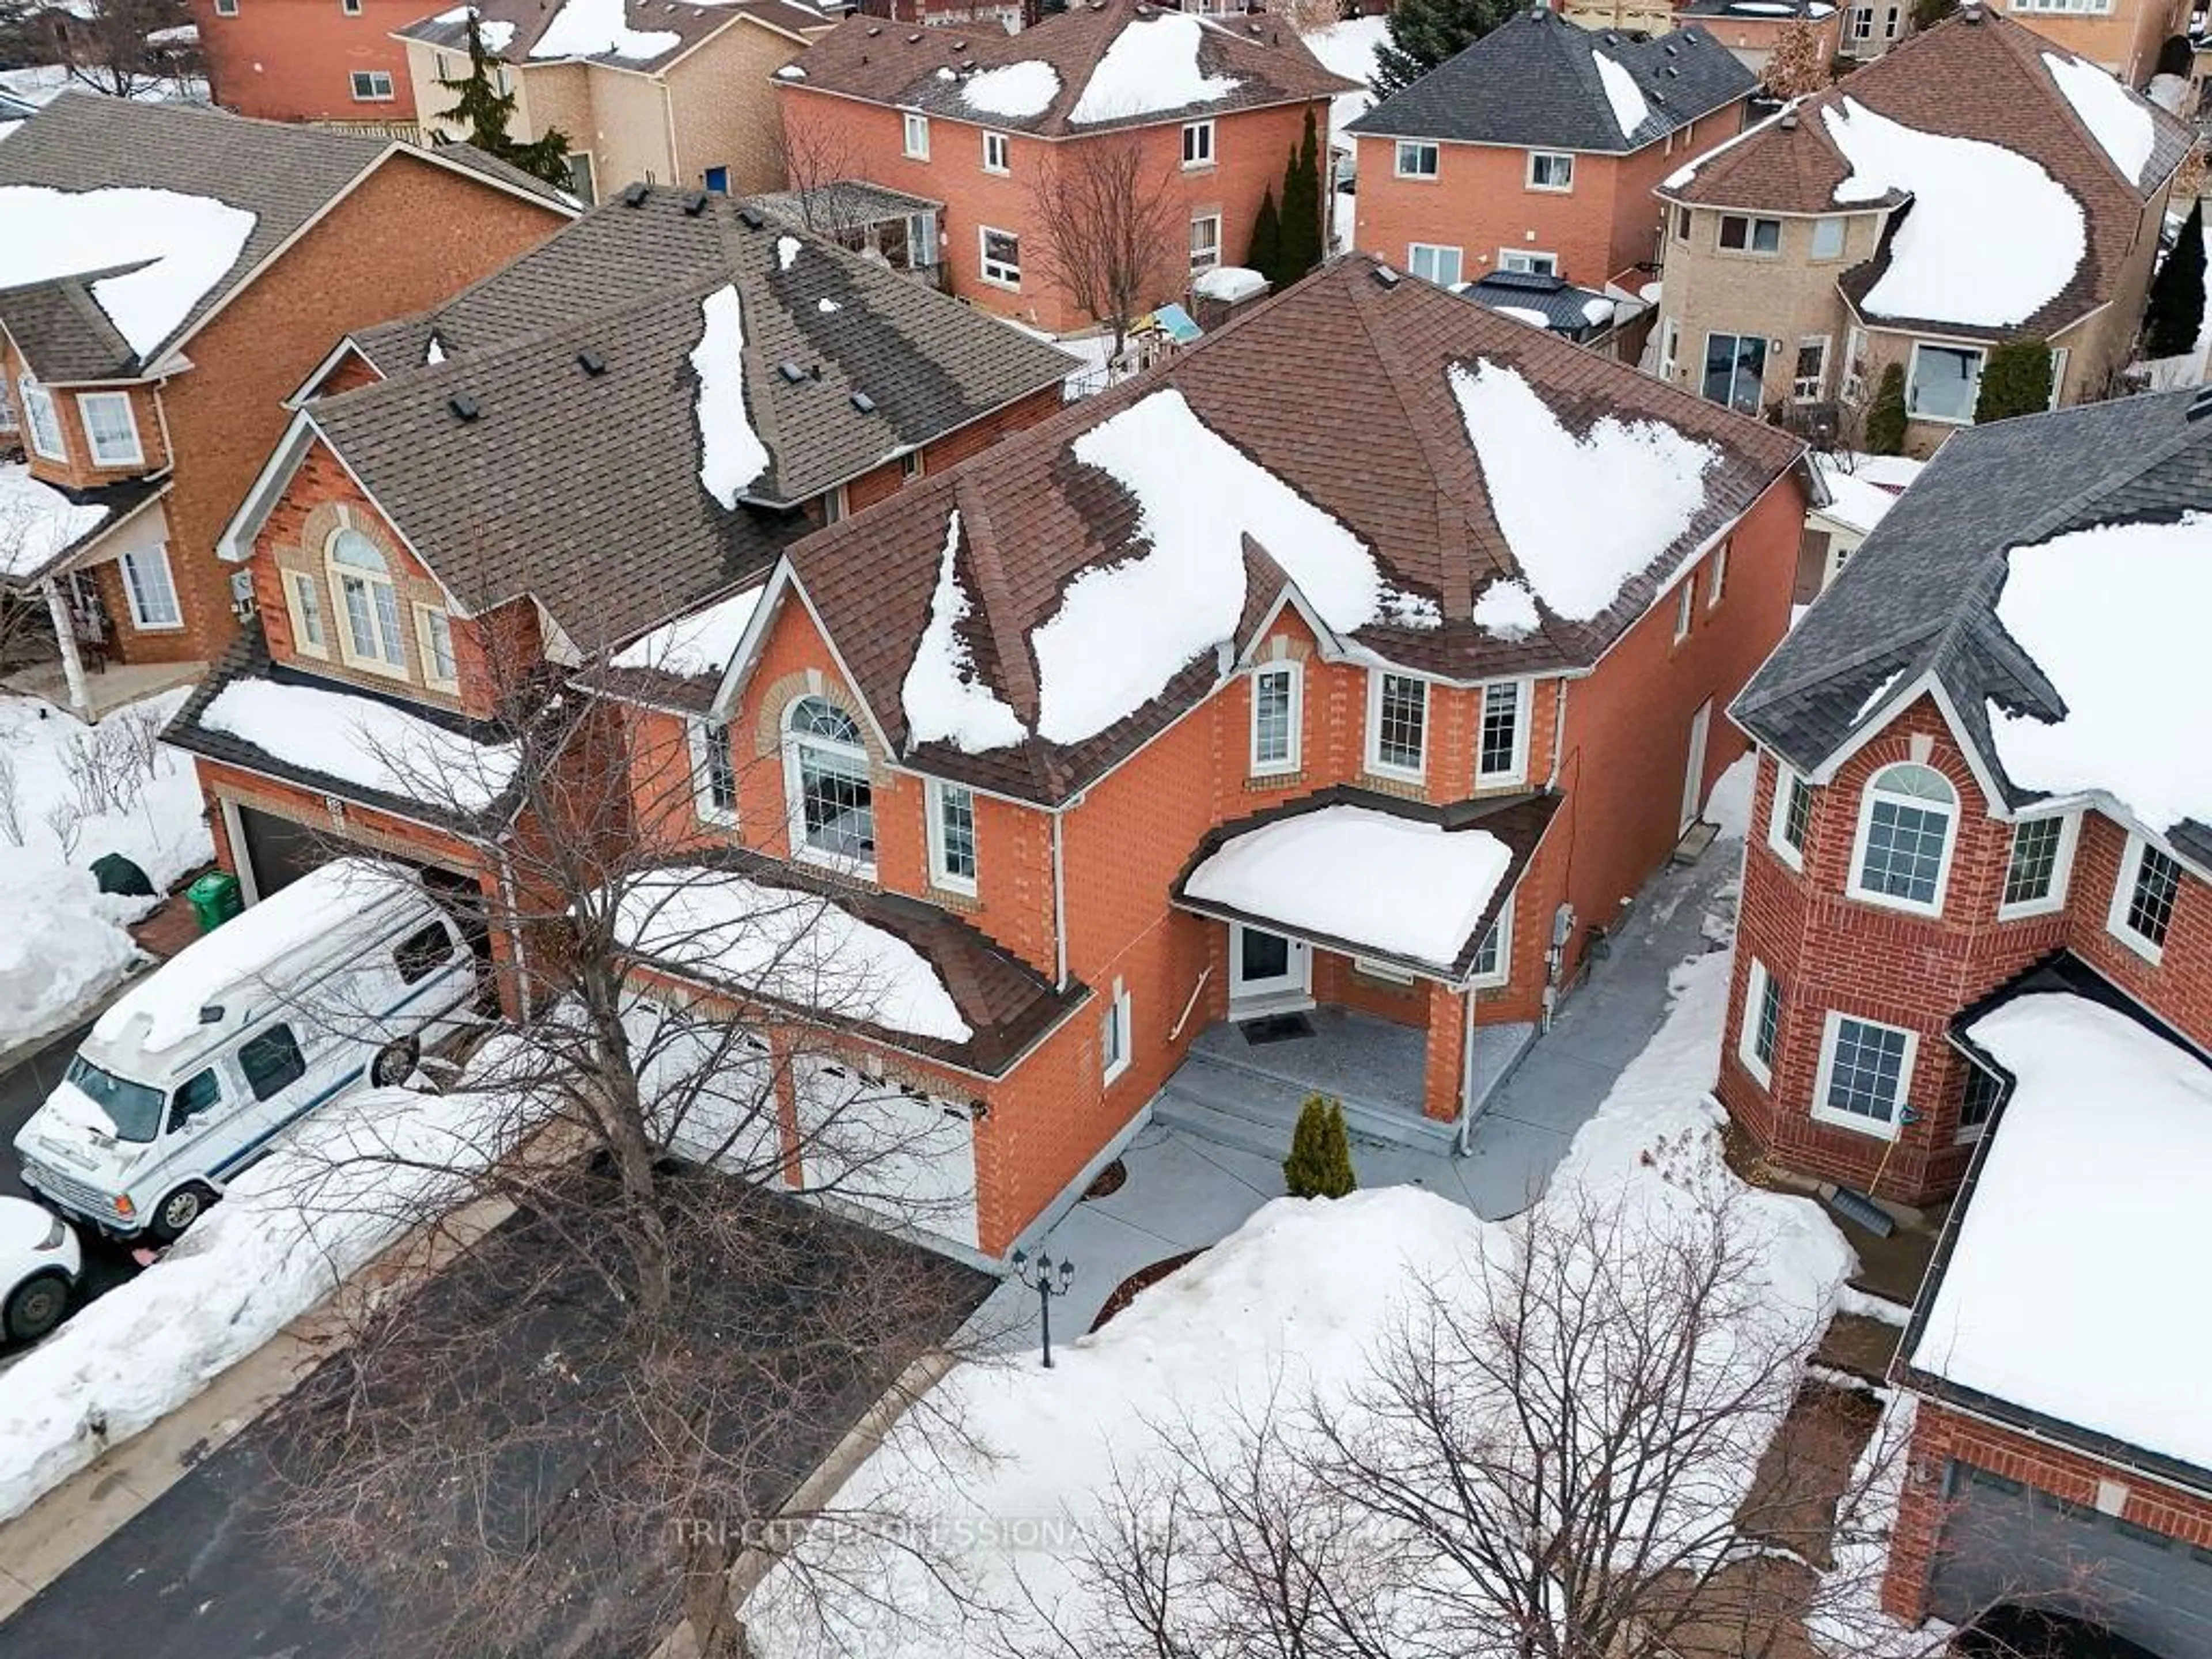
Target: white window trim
[
  {"x": 1414, "y": 250},
  {"x": 158, "y": 554},
  {"x": 1756, "y": 980},
  {"x": 86, "y": 402},
  {"x": 2123, "y": 889},
  {"x": 35, "y": 398},
  {"x": 1716, "y": 577},
  {"x": 1685, "y": 605},
  {"x": 300, "y": 585},
  {"x": 1820, "y": 380},
  {"x": 1120, "y": 1016},
  {"x": 1508, "y": 255},
  {"x": 1670, "y": 347},
  {"x": 372, "y": 96},
  {"x": 2062, "y": 870},
  {"x": 1777, "y": 818},
  {"x": 1296, "y": 758},
  {"x": 226, "y": 7},
  {"x": 1529, "y": 172},
  {"x": 1503, "y": 974},
  {"x": 914, "y": 135},
  {"x": 1891, "y": 901},
  {"x": 1831, "y": 1030},
  {"x": 1750, "y": 250},
  {"x": 1375, "y": 761},
  {"x": 2058, "y": 355},
  {"x": 697, "y": 741},
  {"x": 1912, "y": 374},
  {"x": 794, "y": 797},
  {"x": 1416, "y": 145},
  {"x": 1524, "y": 700},
  {"x": 1214, "y": 258},
  {"x": 932, "y": 793},
  {"x": 998, "y": 142},
  {"x": 342, "y": 622},
  {"x": 428, "y": 656},
  {"x": 1204, "y": 162},
  {"x": 983, "y": 260},
  {"x": 1843, "y": 238}
]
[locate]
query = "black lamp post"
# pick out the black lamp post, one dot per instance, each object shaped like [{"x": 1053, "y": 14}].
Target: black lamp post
[{"x": 1049, "y": 1278}]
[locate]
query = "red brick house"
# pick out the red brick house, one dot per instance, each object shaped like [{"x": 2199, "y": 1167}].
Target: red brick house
[
  {"x": 980, "y": 121},
  {"x": 1536, "y": 150},
  {"x": 172, "y": 274},
  {"x": 310, "y": 60},
  {"x": 1976, "y": 958}
]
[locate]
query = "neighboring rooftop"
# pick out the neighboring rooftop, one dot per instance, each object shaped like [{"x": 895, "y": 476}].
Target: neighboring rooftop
[
  {"x": 1100, "y": 63},
  {"x": 1537, "y": 80},
  {"x": 1862, "y": 488},
  {"x": 1756, "y": 11},
  {"x": 1545, "y": 300},
  {"x": 641, "y": 35},
  {"x": 2053, "y": 577}
]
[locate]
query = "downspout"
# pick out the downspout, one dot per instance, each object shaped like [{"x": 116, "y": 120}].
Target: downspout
[
  {"x": 1559, "y": 730},
  {"x": 1463, "y": 1140},
  {"x": 668, "y": 106}
]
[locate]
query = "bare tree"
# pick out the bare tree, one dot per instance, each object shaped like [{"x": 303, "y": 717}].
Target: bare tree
[
  {"x": 820, "y": 158},
  {"x": 1113, "y": 230},
  {"x": 1798, "y": 67},
  {"x": 124, "y": 48}
]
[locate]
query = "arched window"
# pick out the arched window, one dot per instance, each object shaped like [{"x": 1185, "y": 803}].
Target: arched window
[
  {"x": 370, "y": 603},
  {"x": 825, "y": 770},
  {"x": 1906, "y": 822}
]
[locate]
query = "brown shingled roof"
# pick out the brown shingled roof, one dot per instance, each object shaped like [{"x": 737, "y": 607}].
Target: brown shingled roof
[{"x": 690, "y": 23}]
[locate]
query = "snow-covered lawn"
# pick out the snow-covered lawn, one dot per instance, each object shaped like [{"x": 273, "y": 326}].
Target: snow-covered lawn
[{"x": 70, "y": 793}]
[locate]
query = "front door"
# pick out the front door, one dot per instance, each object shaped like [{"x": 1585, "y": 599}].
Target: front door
[
  {"x": 1693, "y": 779},
  {"x": 1267, "y": 971}
]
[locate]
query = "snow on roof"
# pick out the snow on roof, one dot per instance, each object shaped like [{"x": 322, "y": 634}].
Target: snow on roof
[
  {"x": 2114, "y": 617},
  {"x": 597, "y": 28},
  {"x": 1230, "y": 283},
  {"x": 1682, "y": 175},
  {"x": 2168, "y": 92},
  {"x": 1017, "y": 91},
  {"x": 2118, "y": 120},
  {"x": 37, "y": 522},
  {"x": 1506, "y": 610},
  {"x": 1348, "y": 49},
  {"x": 1123, "y": 630},
  {"x": 701, "y": 643},
  {"x": 2096, "y": 1321},
  {"x": 163, "y": 1010},
  {"x": 791, "y": 72},
  {"x": 786, "y": 251},
  {"x": 1581, "y": 515},
  {"x": 1992, "y": 237},
  {"x": 1396, "y": 886},
  {"x": 795, "y": 947},
  {"x": 1528, "y": 314},
  {"x": 1598, "y": 309},
  {"x": 1152, "y": 65},
  {"x": 944, "y": 700},
  {"x": 1860, "y": 498},
  {"x": 364, "y": 742},
  {"x": 730, "y": 454},
  {"x": 1630, "y": 112},
  {"x": 183, "y": 245},
  {"x": 496, "y": 36}
]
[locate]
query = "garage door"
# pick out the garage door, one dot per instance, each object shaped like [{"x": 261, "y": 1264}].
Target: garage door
[
  {"x": 908, "y": 1157},
  {"x": 278, "y": 851},
  {"x": 2006, "y": 1542}
]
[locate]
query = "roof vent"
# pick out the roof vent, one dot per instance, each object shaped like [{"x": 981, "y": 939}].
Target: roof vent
[
  {"x": 751, "y": 217},
  {"x": 635, "y": 195},
  {"x": 959, "y": 45},
  {"x": 1610, "y": 40},
  {"x": 694, "y": 205},
  {"x": 463, "y": 406},
  {"x": 1386, "y": 276},
  {"x": 864, "y": 403},
  {"x": 874, "y": 29},
  {"x": 1970, "y": 15},
  {"x": 1788, "y": 121},
  {"x": 2199, "y": 406},
  {"x": 1669, "y": 50},
  {"x": 590, "y": 362},
  {"x": 791, "y": 371},
  {"x": 914, "y": 40}
]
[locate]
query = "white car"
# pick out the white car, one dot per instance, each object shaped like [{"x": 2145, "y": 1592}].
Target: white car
[{"x": 39, "y": 1264}]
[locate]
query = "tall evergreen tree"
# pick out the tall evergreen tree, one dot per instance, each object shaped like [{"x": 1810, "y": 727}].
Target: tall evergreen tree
[
  {"x": 1266, "y": 255},
  {"x": 1422, "y": 34},
  {"x": 2015, "y": 380},
  {"x": 480, "y": 106},
  {"x": 1301, "y": 245},
  {"x": 2176, "y": 298},
  {"x": 1885, "y": 420}
]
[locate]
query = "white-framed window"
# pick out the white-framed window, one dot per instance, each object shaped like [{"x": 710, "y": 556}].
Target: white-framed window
[
  {"x": 1278, "y": 714},
  {"x": 1809, "y": 378},
  {"x": 226, "y": 7},
  {"x": 370, "y": 635},
  {"x": 1735, "y": 370},
  {"x": 1828, "y": 237},
  {"x": 1001, "y": 256},
  {"x": 1551, "y": 169},
  {"x": 1416, "y": 159},
  {"x": 1681, "y": 223},
  {"x": 833, "y": 505},
  {"x": 2080, "y": 8},
  {"x": 826, "y": 786},
  {"x": 1855, "y": 365},
  {"x": 1685, "y": 605},
  {"x": 1943, "y": 383},
  {"x": 2144, "y": 898},
  {"x": 1977, "y": 1100},
  {"x": 1791, "y": 817},
  {"x": 1501, "y": 745},
  {"x": 1862, "y": 22},
  {"x": 1433, "y": 263},
  {"x": 1759, "y": 1036},
  {"x": 1529, "y": 261},
  {"x": 2037, "y": 865},
  {"x": 1493, "y": 957},
  {"x": 995, "y": 149},
  {"x": 1204, "y": 240},
  {"x": 1742, "y": 232},
  {"x": 714, "y": 771},
  {"x": 914, "y": 133},
  {"x": 152, "y": 595},
  {"x": 951, "y": 808},
  {"x": 1865, "y": 1072},
  {"x": 1397, "y": 724},
  {"x": 372, "y": 86},
  {"x": 303, "y": 599},
  {"x": 350, "y": 8},
  {"x": 1907, "y": 820},
  {"x": 1716, "y": 575},
  {"x": 1198, "y": 143},
  {"x": 43, "y": 420},
  {"x": 2058, "y": 374},
  {"x": 1670, "y": 347},
  {"x": 434, "y": 647},
  {"x": 1114, "y": 1031},
  {"x": 111, "y": 427}
]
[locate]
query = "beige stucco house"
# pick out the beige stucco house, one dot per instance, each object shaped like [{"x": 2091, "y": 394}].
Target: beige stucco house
[{"x": 676, "y": 94}]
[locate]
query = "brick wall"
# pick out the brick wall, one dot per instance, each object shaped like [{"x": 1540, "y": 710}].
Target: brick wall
[
  {"x": 722, "y": 99},
  {"x": 78, "y": 469},
  {"x": 2124, "y": 39},
  {"x": 293, "y": 60},
  {"x": 881, "y": 483}
]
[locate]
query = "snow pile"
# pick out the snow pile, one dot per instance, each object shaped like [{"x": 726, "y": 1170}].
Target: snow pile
[
  {"x": 1529, "y": 314},
  {"x": 786, "y": 251},
  {"x": 181, "y": 244},
  {"x": 1875, "y": 698},
  {"x": 364, "y": 742},
  {"x": 594, "y": 29},
  {"x": 2110, "y": 1126},
  {"x": 796, "y": 948},
  {"x": 1151, "y": 67},
  {"x": 1581, "y": 515},
  {"x": 1598, "y": 310},
  {"x": 1019, "y": 91},
  {"x": 1630, "y": 112},
  {"x": 1395, "y": 886},
  {"x": 2119, "y": 121},
  {"x": 1506, "y": 610},
  {"x": 1123, "y": 630},
  {"x": 2168, "y": 92},
  {"x": 1991, "y": 239},
  {"x": 944, "y": 700},
  {"x": 38, "y": 523},
  {"x": 730, "y": 454},
  {"x": 331, "y": 1195},
  {"x": 699, "y": 644},
  {"x": 1348, "y": 49},
  {"x": 496, "y": 36},
  {"x": 64, "y": 940},
  {"x": 791, "y": 72},
  {"x": 1230, "y": 283},
  {"x": 2113, "y": 615},
  {"x": 1861, "y": 496}
]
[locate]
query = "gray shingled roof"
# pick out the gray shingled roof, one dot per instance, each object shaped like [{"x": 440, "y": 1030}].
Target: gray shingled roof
[
  {"x": 1920, "y": 597},
  {"x": 1534, "y": 81},
  {"x": 1561, "y": 303},
  {"x": 583, "y": 489}
]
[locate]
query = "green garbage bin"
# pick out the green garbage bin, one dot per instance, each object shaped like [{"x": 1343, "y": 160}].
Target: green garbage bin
[{"x": 215, "y": 899}]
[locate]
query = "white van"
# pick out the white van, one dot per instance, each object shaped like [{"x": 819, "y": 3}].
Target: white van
[{"x": 341, "y": 976}]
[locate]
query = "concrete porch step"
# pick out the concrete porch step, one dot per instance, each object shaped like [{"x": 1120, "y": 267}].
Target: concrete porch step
[{"x": 1244, "y": 1105}]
